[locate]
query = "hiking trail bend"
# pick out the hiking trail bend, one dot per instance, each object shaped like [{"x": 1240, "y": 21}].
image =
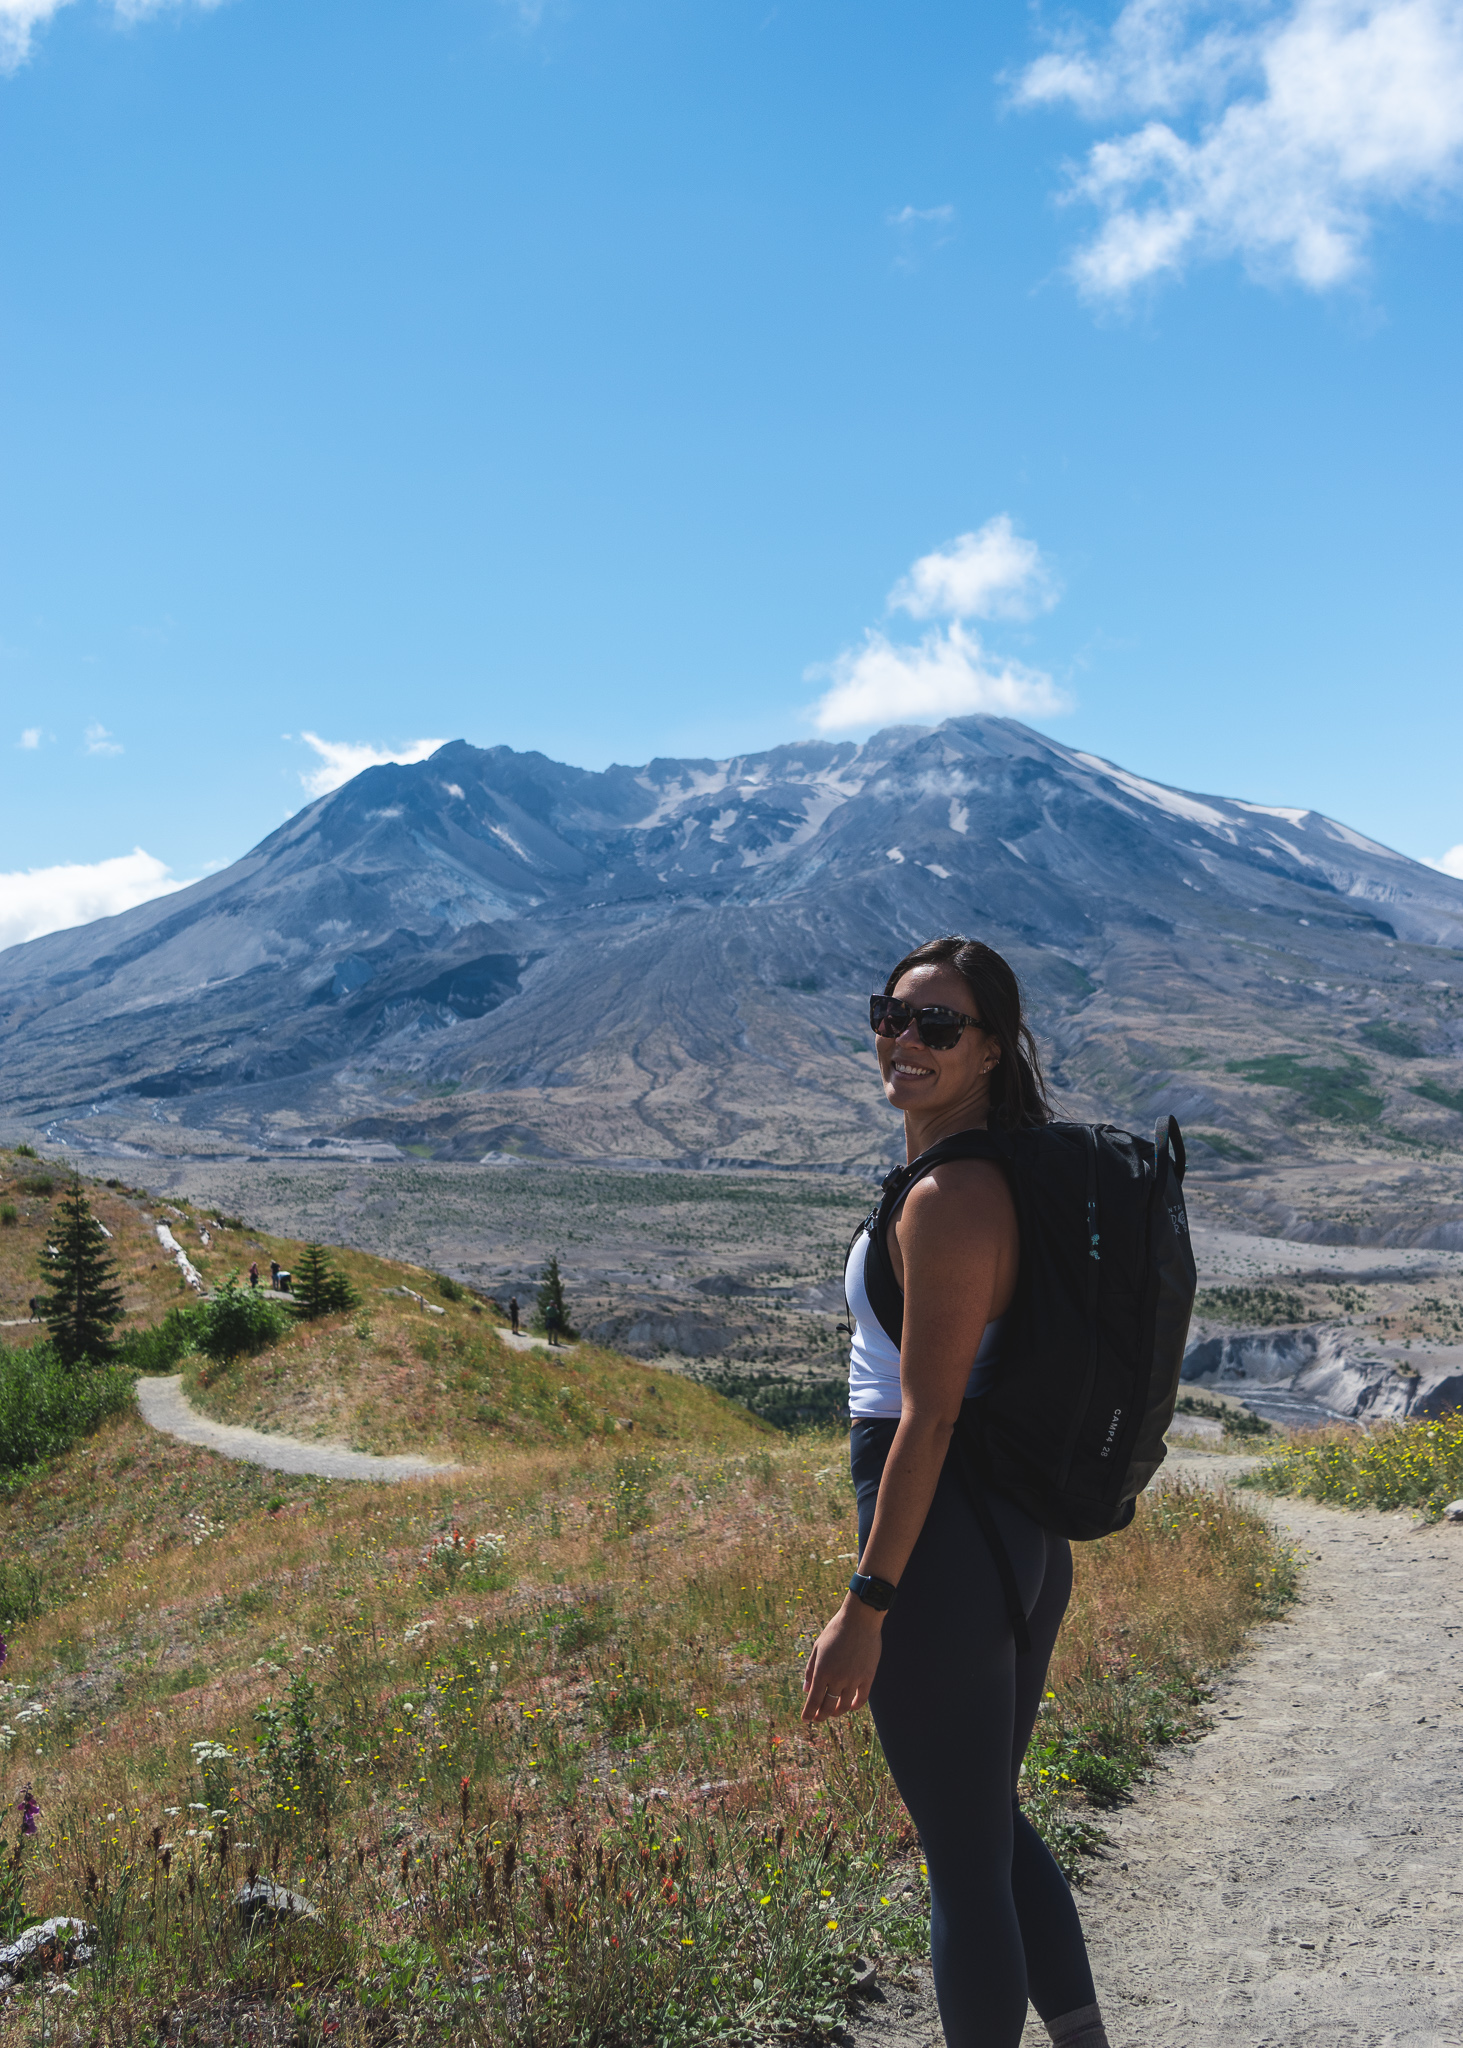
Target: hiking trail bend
[{"x": 164, "y": 1407}]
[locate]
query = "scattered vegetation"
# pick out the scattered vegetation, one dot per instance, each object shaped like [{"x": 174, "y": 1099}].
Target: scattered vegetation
[
  {"x": 1225, "y": 1146},
  {"x": 1257, "y": 1306},
  {"x": 1237, "y": 1421},
  {"x": 1394, "y": 1465},
  {"x": 788, "y": 1401},
  {"x": 1335, "y": 1094},
  {"x": 1390, "y": 1038},
  {"x": 1434, "y": 1091}
]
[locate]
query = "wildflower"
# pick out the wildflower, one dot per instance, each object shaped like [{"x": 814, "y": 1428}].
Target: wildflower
[
  {"x": 30, "y": 1811},
  {"x": 4, "y": 1653}
]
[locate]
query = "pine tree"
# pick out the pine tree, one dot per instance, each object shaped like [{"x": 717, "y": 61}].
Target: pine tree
[
  {"x": 553, "y": 1315},
  {"x": 83, "y": 1302},
  {"x": 319, "y": 1290}
]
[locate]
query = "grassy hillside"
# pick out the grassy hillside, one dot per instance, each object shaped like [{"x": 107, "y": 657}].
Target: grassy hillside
[
  {"x": 525, "y": 1733},
  {"x": 419, "y": 1364}
]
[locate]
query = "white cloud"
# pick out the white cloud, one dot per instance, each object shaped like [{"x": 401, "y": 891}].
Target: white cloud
[
  {"x": 985, "y": 575},
  {"x": 19, "y": 19},
  {"x": 100, "y": 741},
  {"x": 53, "y": 899},
  {"x": 341, "y": 759},
  {"x": 30, "y": 739},
  {"x": 1451, "y": 862},
  {"x": 951, "y": 673},
  {"x": 948, "y": 675},
  {"x": 1306, "y": 120}
]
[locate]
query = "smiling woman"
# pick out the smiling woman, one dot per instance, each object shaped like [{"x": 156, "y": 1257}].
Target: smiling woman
[{"x": 925, "y": 1635}]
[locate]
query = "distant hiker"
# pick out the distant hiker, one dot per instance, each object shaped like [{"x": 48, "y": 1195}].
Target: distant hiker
[
  {"x": 254, "y": 1274},
  {"x": 35, "y": 1310},
  {"x": 274, "y": 1274},
  {"x": 513, "y": 1312},
  {"x": 926, "y": 1634}
]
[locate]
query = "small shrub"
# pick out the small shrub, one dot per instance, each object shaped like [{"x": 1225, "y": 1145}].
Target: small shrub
[
  {"x": 9, "y": 1215},
  {"x": 450, "y": 1289},
  {"x": 38, "y": 1184},
  {"x": 26, "y": 1152},
  {"x": 161, "y": 1346},
  {"x": 45, "y": 1407},
  {"x": 237, "y": 1323}
]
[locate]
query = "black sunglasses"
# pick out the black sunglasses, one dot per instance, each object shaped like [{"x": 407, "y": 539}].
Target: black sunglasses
[{"x": 938, "y": 1027}]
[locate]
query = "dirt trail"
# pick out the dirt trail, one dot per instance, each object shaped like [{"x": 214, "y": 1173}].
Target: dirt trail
[
  {"x": 164, "y": 1407},
  {"x": 1295, "y": 1878}
]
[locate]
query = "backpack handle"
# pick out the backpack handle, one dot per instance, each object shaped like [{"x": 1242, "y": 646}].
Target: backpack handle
[{"x": 1168, "y": 1146}]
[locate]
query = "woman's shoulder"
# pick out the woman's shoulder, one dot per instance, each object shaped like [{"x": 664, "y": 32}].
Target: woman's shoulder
[{"x": 961, "y": 1194}]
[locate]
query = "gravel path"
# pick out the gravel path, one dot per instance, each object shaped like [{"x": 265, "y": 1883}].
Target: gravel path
[
  {"x": 164, "y": 1408},
  {"x": 1295, "y": 1878}
]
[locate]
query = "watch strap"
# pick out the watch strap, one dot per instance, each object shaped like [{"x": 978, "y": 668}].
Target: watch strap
[{"x": 877, "y": 1593}]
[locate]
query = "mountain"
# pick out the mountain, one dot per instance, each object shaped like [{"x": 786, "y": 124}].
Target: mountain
[{"x": 492, "y": 952}]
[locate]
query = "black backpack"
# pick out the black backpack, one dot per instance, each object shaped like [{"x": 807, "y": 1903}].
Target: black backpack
[{"x": 1073, "y": 1427}]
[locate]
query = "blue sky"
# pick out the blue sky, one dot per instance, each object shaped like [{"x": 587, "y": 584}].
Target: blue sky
[{"x": 594, "y": 378}]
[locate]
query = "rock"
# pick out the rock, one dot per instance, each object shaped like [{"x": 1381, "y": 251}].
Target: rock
[
  {"x": 1453, "y": 1512},
  {"x": 273, "y": 1902},
  {"x": 61, "y": 1943},
  {"x": 865, "y": 1978}
]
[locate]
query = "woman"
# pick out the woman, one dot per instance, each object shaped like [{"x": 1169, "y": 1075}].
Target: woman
[{"x": 953, "y": 1701}]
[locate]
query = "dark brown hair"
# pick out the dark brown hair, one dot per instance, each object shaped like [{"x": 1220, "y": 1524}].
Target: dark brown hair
[{"x": 1018, "y": 1090}]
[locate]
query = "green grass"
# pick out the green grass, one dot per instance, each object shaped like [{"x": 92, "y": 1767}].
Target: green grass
[
  {"x": 1434, "y": 1091},
  {"x": 1335, "y": 1094},
  {"x": 1389, "y": 1038},
  {"x": 1398, "y": 1465},
  {"x": 1225, "y": 1146}
]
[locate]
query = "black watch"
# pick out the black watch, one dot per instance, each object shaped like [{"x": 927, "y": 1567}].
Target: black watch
[{"x": 873, "y": 1592}]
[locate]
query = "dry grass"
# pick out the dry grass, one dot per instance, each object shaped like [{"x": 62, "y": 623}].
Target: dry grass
[
  {"x": 547, "y": 1787},
  {"x": 394, "y": 1376},
  {"x": 644, "y": 1629}
]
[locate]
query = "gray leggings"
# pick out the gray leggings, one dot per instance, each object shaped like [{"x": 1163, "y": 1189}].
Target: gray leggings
[{"x": 955, "y": 1706}]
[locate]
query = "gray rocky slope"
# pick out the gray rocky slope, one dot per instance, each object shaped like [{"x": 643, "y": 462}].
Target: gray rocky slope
[{"x": 492, "y": 952}]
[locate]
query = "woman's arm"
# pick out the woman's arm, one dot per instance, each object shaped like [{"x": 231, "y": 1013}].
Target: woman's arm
[{"x": 957, "y": 1242}]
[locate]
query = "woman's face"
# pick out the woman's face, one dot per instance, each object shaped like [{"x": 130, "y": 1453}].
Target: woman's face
[{"x": 917, "y": 1077}]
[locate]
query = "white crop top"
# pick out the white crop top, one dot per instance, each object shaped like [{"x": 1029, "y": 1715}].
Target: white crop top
[{"x": 873, "y": 1360}]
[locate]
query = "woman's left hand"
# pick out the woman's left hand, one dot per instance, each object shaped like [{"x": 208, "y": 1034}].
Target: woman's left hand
[{"x": 841, "y": 1667}]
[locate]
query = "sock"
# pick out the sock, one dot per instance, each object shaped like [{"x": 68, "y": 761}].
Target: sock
[{"x": 1080, "y": 2029}]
